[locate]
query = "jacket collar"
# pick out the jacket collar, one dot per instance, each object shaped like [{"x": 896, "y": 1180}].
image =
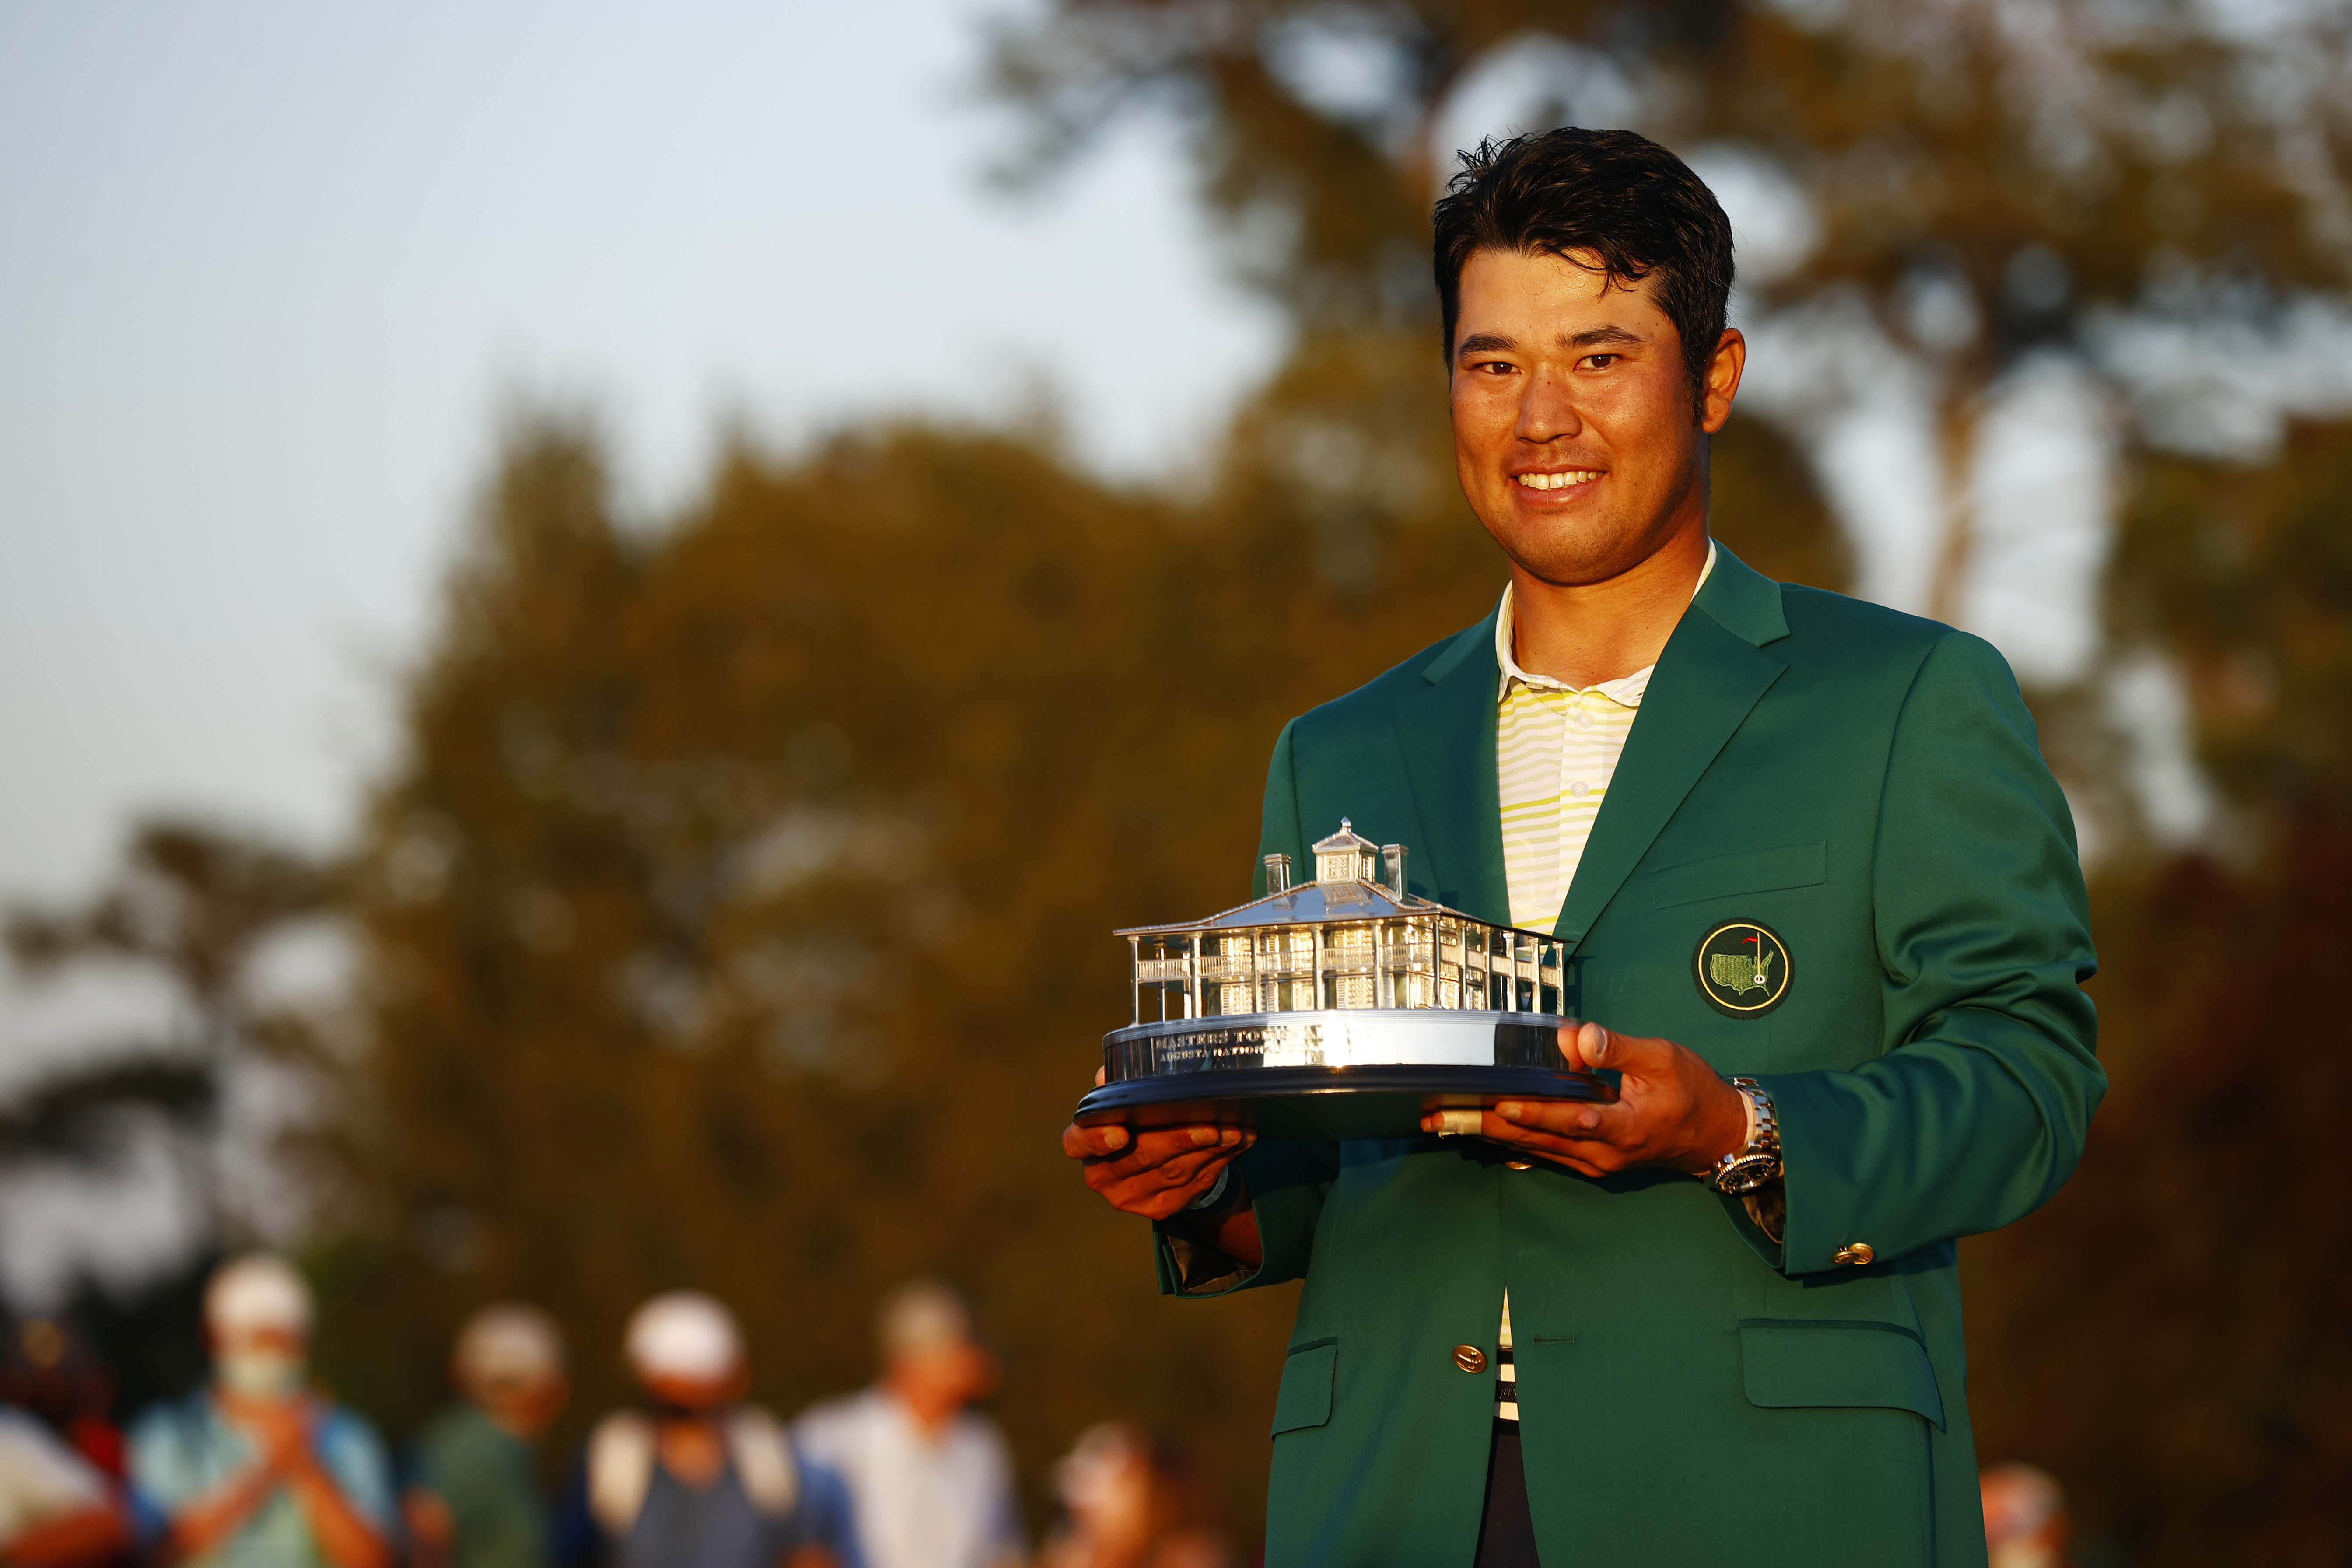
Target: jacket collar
[
  {"x": 1446, "y": 732},
  {"x": 1709, "y": 677}
]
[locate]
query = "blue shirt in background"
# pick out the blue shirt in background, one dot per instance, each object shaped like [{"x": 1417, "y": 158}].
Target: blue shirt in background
[{"x": 183, "y": 1451}]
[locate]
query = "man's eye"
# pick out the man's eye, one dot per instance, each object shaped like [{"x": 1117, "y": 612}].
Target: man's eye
[{"x": 1601, "y": 362}]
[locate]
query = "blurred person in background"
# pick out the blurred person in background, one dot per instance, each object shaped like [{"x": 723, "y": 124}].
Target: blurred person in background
[
  {"x": 2025, "y": 1518},
  {"x": 57, "y": 1508},
  {"x": 257, "y": 1470},
  {"x": 1130, "y": 1502},
  {"x": 48, "y": 1369},
  {"x": 929, "y": 1482},
  {"x": 698, "y": 1479},
  {"x": 473, "y": 1498}
]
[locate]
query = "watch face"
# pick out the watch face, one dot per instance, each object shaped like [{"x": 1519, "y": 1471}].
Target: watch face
[{"x": 1747, "y": 1173}]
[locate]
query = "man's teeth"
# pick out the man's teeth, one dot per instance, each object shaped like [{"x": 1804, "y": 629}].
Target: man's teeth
[{"x": 1559, "y": 481}]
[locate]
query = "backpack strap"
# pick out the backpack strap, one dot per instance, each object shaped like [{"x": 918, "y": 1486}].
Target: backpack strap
[
  {"x": 620, "y": 1471},
  {"x": 763, "y": 1460}
]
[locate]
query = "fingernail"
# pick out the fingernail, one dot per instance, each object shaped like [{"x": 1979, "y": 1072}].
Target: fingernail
[
  {"x": 1508, "y": 1110},
  {"x": 1589, "y": 1119},
  {"x": 1115, "y": 1138},
  {"x": 1204, "y": 1135}
]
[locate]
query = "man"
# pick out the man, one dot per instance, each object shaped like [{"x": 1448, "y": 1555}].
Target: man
[
  {"x": 700, "y": 1478},
  {"x": 255, "y": 1471},
  {"x": 928, "y": 1477},
  {"x": 1788, "y": 837},
  {"x": 473, "y": 1498}
]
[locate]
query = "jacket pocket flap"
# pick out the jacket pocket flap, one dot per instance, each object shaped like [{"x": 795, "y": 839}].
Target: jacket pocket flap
[
  {"x": 1750, "y": 871},
  {"x": 1792, "y": 1364},
  {"x": 1306, "y": 1397}
]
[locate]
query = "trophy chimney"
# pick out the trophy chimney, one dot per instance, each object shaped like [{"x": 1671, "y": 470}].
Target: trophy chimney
[
  {"x": 1393, "y": 856},
  {"x": 1277, "y": 875}
]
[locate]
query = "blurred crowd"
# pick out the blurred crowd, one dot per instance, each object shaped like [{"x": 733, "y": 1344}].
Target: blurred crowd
[{"x": 260, "y": 1468}]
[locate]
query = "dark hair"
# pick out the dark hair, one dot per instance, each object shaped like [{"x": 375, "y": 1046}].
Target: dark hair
[{"x": 1616, "y": 193}]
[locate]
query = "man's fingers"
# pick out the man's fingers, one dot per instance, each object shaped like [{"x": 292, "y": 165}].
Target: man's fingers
[
  {"x": 1125, "y": 1150},
  {"x": 1160, "y": 1190},
  {"x": 1093, "y": 1142}
]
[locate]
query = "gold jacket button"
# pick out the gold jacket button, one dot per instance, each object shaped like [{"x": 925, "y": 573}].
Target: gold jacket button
[
  {"x": 1859, "y": 1253},
  {"x": 1469, "y": 1358},
  {"x": 1519, "y": 1164}
]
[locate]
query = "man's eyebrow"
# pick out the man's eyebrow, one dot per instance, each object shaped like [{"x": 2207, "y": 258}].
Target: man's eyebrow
[
  {"x": 1502, "y": 342},
  {"x": 1598, "y": 335}
]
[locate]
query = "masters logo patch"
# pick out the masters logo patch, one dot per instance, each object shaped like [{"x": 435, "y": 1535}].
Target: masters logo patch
[{"x": 1743, "y": 968}]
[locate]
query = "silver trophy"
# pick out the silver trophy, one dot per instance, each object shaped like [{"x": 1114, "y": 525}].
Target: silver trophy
[{"x": 1343, "y": 1008}]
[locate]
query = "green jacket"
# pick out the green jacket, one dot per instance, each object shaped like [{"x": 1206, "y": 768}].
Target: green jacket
[{"x": 1868, "y": 785}]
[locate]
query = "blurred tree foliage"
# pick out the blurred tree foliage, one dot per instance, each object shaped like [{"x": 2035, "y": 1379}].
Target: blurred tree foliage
[
  {"x": 2170, "y": 1335},
  {"x": 194, "y": 905},
  {"x": 1982, "y": 183}
]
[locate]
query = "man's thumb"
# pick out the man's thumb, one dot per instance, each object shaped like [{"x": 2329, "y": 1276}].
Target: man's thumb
[{"x": 1602, "y": 1047}]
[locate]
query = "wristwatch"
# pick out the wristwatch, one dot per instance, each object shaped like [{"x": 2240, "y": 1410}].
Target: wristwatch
[{"x": 1757, "y": 1162}]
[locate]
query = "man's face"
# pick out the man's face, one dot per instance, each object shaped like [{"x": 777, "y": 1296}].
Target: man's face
[
  {"x": 259, "y": 1363},
  {"x": 1572, "y": 423}
]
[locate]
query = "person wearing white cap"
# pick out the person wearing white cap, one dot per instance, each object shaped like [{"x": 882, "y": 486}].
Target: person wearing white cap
[
  {"x": 930, "y": 1484},
  {"x": 257, "y": 1470},
  {"x": 472, "y": 1499},
  {"x": 698, "y": 1479}
]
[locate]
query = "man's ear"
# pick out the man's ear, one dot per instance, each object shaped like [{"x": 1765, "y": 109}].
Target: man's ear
[{"x": 1723, "y": 373}]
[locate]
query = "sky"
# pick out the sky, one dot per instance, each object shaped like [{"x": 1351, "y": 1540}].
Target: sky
[{"x": 273, "y": 272}]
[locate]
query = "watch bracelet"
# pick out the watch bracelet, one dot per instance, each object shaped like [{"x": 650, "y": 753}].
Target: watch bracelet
[{"x": 1764, "y": 1143}]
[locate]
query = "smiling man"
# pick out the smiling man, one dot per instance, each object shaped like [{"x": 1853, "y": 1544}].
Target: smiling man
[{"x": 1827, "y": 924}]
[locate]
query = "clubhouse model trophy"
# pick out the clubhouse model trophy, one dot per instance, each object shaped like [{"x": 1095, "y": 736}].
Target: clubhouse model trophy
[{"x": 1343, "y": 1008}]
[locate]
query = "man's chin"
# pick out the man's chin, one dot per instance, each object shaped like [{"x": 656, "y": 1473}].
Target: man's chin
[{"x": 1577, "y": 554}]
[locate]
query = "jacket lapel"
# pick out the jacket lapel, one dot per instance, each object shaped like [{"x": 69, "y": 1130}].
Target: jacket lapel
[
  {"x": 1709, "y": 678},
  {"x": 1446, "y": 731}
]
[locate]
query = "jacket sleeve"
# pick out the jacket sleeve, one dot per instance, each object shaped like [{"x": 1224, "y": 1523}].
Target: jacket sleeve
[
  {"x": 1287, "y": 1180},
  {"x": 1976, "y": 1110}
]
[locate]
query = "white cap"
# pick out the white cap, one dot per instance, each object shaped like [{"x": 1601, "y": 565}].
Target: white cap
[
  {"x": 509, "y": 1345},
  {"x": 923, "y": 1317},
  {"x": 256, "y": 1294},
  {"x": 685, "y": 1333}
]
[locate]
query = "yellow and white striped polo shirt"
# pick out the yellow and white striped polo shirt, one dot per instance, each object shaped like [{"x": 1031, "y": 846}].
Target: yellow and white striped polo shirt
[{"x": 1556, "y": 749}]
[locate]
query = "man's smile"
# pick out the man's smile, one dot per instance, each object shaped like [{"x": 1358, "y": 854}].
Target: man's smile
[{"x": 1557, "y": 481}]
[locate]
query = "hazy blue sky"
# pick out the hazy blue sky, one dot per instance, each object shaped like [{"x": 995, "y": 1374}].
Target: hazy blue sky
[{"x": 271, "y": 269}]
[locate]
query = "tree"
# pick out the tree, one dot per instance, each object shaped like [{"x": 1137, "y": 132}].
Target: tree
[
  {"x": 1984, "y": 184},
  {"x": 2168, "y": 1335},
  {"x": 196, "y": 904}
]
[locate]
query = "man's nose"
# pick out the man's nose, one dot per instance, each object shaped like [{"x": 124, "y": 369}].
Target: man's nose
[{"x": 1548, "y": 410}]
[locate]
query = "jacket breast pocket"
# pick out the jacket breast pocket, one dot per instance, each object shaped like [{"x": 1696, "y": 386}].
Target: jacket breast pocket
[
  {"x": 1748, "y": 871},
  {"x": 1798, "y": 1364},
  {"x": 1306, "y": 1379}
]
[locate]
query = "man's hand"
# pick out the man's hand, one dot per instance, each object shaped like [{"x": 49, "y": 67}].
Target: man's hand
[
  {"x": 1158, "y": 1172},
  {"x": 1672, "y": 1111}
]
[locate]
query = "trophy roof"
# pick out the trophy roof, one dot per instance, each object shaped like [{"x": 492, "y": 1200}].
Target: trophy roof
[
  {"x": 1309, "y": 903},
  {"x": 1341, "y": 842}
]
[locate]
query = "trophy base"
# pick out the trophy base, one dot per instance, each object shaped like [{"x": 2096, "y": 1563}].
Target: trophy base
[{"x": 1326, "y": 1103}]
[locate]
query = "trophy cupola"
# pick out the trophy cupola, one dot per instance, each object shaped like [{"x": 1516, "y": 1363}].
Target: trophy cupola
[{"x": 1347, "y": 857}]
